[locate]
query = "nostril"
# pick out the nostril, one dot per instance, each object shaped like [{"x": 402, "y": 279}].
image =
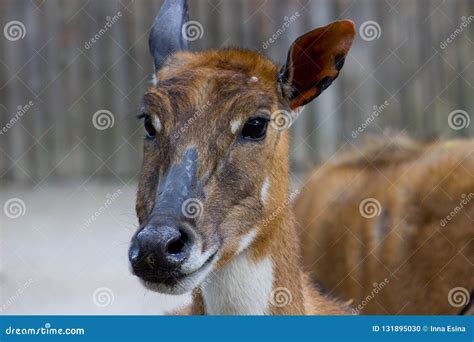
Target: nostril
[{"x": 177, "y": 245}]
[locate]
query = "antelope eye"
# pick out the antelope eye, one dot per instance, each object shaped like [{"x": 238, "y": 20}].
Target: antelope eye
[
  {"x": 255, "y": 129},
  {"x": 149, "y": 128}
]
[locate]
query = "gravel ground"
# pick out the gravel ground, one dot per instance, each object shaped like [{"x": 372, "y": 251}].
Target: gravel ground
[{"x": 67, "y": 253}]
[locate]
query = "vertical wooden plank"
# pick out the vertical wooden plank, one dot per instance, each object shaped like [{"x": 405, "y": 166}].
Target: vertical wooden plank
[
  {"x": 226, "y": 22},
  {"x": 323, "y": 128},
  {"x": 464, "y": 51},
  {"x": 5, "y": 162},
  {"x": 99, "y": 96},
  {"x": 345, "y": 107},
  {"x": 302, "y": 129},
  {"x": 71, "y": 75},
  {"x": 468, "y": 42},
  {"x": 37, "y": 74},
  {"x": 206, "y": 14},
  {"x": 83, "y": 105},
  {"x": 403, "y": 114},
  {"x": 17, "y": 140},
  {"x": 53, "y": 97},
  {"x": 120, "y": 34}
]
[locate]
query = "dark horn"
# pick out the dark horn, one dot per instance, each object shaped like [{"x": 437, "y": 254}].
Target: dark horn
[{"x": 165, "y": 35}]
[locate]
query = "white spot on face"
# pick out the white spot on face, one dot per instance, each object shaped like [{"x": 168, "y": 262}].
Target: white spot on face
[
  {"x": 264, "y": 191},
  {"x": 246, "y": 240},
  {"x": 241, "y": 287},
  {"x": 188, "y": 283},
  {"x": 234, "y": 125},
  {"x": 156, "y": 123},
  {"x": 154, "y": 81},
  {"x": 253, "y": 79},
  {"x": 197, "y": 257}
]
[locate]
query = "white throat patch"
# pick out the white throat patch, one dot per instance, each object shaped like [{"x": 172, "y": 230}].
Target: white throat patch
[{"x": 241, "y": 287}]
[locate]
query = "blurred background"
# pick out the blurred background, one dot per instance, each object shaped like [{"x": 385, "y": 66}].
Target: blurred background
[{"x": 72, "y": 74}]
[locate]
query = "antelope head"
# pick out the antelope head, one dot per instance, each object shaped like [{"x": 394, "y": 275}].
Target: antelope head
[{"x": 215, "y": 159}]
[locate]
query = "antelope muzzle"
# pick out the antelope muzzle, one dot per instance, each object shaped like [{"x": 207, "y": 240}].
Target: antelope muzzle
[{"x": 167, "y": 252}]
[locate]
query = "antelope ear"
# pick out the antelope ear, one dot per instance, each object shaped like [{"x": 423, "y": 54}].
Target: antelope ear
[{"x": 314, "y": 61}]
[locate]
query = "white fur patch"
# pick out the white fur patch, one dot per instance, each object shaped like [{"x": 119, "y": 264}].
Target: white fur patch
[
  {"x": 191, "y": 281},
  {"x": 154, "y": 81},
  {"x": 241, "y": 287},
  {"x": 264, "y": 191},
  {"x": 253, "y": 79},
  {"x": 234, "y": 125},
  {"x": 156, "y": 123},
  {"x": 185, "y": 285},
  {"x": 196, "y": 258},
  {"x": 246, "y": 240}
]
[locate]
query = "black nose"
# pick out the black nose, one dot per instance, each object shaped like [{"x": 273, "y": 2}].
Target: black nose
[{"x": 156, "y": 252}]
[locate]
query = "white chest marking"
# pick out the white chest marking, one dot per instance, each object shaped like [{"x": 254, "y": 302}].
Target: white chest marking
[{"x": 241, "y": 287}]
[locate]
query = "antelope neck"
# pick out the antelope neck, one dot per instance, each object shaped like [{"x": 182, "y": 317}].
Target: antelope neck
[{"x": 263, "y": 285}]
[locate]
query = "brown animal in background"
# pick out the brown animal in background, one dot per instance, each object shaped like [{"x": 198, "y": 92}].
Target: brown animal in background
[
  {"x": 391, "y": 227},
  {"x": 215, "y": 171}
]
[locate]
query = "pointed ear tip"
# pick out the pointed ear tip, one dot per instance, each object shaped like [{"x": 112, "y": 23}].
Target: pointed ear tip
[{"x": 349, "y": 25}]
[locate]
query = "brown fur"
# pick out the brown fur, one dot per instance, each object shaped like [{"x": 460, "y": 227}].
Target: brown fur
[
  {"x": 213, "y": 138},
  {"x": 220, "y": 81},
  {"x": 405, "y": 247}
]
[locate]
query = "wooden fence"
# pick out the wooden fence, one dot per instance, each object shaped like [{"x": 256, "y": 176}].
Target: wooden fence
[{"x": 63, "y": 61}]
